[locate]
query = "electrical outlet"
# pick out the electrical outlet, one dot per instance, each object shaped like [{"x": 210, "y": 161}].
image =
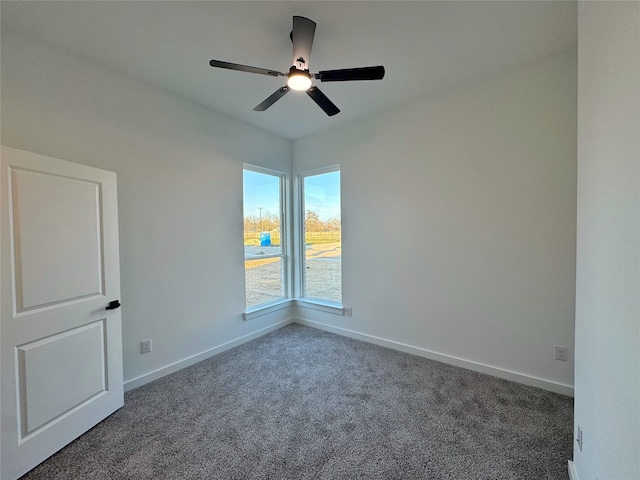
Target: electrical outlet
[
  {"x": 579, "y": 437},
  {"x": 348, "y": 311},
  {"x": 145, "y": 346},
  {"x": 560, "y": 353}
]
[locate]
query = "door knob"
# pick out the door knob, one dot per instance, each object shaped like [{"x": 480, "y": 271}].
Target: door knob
[{"x": 113, "y": 305}]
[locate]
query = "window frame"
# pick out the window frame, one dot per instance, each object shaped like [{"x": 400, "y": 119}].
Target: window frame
[
  {"x": 300, "y": 250},
  {"x": 285, "y": 234}
]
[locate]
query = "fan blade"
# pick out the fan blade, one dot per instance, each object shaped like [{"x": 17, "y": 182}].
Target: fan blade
[
  {"x": 246, "y": 68},
  {"x": 348, "y": 74},
  {"x": 281, "y": 92},
  {"x": 302, "y": 38},
  {"x": 323, "y": 102}
]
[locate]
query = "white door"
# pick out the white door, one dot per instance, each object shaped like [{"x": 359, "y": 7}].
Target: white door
[{"x": 60, "y": 348}]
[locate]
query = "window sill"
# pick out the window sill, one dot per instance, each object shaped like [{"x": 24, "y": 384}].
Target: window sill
[
  {"x": 327, "y": 307},
  {"x": 267, "y": 308}
]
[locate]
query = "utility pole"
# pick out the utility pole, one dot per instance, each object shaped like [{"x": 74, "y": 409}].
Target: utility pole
[{"x": 260, "y": 208}]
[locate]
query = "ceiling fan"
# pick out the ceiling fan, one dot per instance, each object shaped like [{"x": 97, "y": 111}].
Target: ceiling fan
[{"x": 299, "y": 77}]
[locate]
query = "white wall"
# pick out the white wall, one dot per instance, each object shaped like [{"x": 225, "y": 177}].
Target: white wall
[
  {"x": 607, "y": 379},
  {"x": 459, "y": 223},
  {"x": 459, "y": 210},
  {"x": 179, "y": 172}
]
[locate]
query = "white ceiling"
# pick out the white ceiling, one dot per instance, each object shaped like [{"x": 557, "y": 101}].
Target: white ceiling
[{"x": 424, "y": 46}]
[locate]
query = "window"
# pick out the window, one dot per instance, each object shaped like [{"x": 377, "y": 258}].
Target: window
[
  {"x": 322, "y": 236},
  {"x": 265, "y": 269}
]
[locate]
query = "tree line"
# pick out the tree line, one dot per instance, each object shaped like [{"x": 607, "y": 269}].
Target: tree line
[{"x": 269, "y": 222}]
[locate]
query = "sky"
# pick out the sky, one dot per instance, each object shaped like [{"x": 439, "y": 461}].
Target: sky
[{"x": 322, "y": 194}]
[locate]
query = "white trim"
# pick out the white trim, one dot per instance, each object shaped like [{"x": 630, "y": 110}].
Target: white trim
[
  {"x": 264, "y": 170},
  {"x": 319, "y": 305},
  {"x": 262, "y": 257},
  {"x": 179, "y": 365},
  {"x": 573, "y": 473},
  {"x": 448, "y": 359},
  {"x": 421, "y": 352},
  {"x": 299, "y": 231},
  {"x": 320, "y": 171},
  {"x": 285, "y": 232},
  {"x": 267, "y": 308}
]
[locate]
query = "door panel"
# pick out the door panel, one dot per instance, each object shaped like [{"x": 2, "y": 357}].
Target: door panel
[
  {"x": 60, "y": 349},
  {"x": 49, "y": 237},
  {"x": 52, "y": 383}
]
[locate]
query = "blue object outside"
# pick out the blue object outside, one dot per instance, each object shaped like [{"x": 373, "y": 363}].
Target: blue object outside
[{"x": 265, "y": 239}]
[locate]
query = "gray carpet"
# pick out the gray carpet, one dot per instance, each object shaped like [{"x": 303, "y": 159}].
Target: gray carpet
[{"x": 302, "y": 403}]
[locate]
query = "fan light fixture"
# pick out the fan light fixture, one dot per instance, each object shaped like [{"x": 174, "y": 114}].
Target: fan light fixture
[{"x": 298, "y": 79}]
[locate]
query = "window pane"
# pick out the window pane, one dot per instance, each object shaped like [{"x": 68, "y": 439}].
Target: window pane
[
  {"x": 323, "y": 239},
  {"x": 263, "y": 246},
  {"x": 263, "y": 280}
]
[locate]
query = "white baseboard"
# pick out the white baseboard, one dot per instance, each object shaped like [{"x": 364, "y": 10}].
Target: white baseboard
[
  {"x": 451, "y": 360},
  {"x": 186, "y": 362},
  {"x": 573, "y": 473},
  {"x": 421, "y": 352}
]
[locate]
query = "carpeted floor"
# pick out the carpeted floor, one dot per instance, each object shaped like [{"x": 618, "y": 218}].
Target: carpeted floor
[{"x": 300, "y": 403}]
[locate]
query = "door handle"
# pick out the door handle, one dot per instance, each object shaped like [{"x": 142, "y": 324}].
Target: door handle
[{"x": 113, "y": 305}]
